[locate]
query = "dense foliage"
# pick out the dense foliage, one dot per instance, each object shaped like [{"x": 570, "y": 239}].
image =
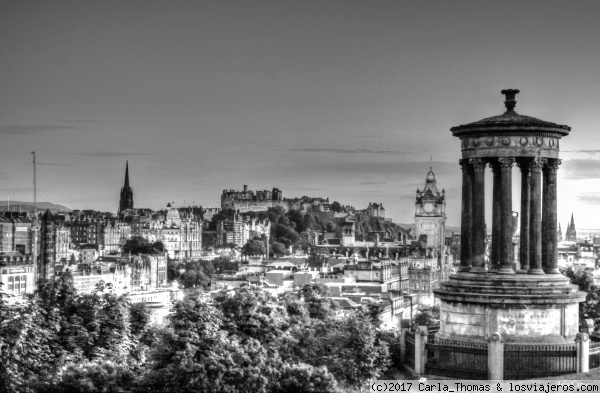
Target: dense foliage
[
  {"x": 61, "y": 341},
  {"x": 139, "y": 245},
  {"x": 197, "y": 274},
  {"x": 585, "y": 280},
  {"x": 427, "y": 316}
]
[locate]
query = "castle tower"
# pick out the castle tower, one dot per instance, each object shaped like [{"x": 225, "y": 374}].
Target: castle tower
[
  {"x": 430, "y": 213},
  {"x": 126, "y": 201},
  {"x": 47, "y": 253}
]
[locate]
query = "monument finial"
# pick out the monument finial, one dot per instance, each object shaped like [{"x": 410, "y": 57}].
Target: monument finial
[{"x": 510, "y": 101}]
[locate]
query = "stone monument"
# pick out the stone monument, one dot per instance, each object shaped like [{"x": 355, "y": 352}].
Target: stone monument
[{"x": 528, "y": 301}]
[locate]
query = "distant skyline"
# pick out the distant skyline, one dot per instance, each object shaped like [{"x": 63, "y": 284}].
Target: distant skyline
[{"x": 340, "y": 99}]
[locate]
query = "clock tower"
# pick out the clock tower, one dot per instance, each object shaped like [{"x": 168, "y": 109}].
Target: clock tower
[{"x": 430, "y": 213}]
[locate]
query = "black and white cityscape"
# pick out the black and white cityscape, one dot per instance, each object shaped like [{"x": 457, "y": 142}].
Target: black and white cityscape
[{"x": 297, "y": 196}]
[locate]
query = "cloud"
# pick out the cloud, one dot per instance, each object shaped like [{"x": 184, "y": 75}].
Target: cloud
[
  {"x": 50, "y": 164},
  {"x": 85, "y": 121},
  {"x": 344, "y": 151},
  {"x": 592, "y": 152},
  {"x": 581, "y": 169},
  {"x": 20, "y": 130},
  {"x": 590, "y": 198},
  {"x": 369, "y": 136},
  {"x": 112, "y": 154}
]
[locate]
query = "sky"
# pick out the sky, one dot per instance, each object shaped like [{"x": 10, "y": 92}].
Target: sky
[{"x": 351, "y": 100}]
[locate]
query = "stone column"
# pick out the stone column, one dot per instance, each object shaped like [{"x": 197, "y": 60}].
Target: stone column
[
  {"x": 535, "y": 216},
  {"x": 495, "y": 255},
  {"x": 582, "y": 342},
  {"x": 525, "y": 200},
  {"x": 404, "y": 328},
  {"x": 549, "y": 246},
  {"x": 478, "y": 230},
  {"x": 466, "y": 233},
  {"x": 420, "y": 349},
  {"x": 495, "y": 357},
  {"x": 506, "y": 227}
]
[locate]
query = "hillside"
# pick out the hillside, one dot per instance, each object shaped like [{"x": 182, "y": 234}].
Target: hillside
[{"x": 28, "y": 206}]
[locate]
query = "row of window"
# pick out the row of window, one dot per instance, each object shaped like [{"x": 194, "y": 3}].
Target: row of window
[{"x": 17, "y": 284}]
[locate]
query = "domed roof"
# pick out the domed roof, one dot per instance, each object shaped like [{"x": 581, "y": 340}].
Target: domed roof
[{"x": 510, "y": 120}]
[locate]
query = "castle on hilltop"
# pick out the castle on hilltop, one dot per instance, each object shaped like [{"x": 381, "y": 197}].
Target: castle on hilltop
[{"x": 247, "y": 200}]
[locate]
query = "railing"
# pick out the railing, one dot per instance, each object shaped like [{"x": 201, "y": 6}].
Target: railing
[
  {"x": 538, "y": 361},
  {"x": 594, "y": 354},
  {"x": 457, "y": 358},
  {"x": 409, "y": 351},
  {"x": 396, "y": 355}
]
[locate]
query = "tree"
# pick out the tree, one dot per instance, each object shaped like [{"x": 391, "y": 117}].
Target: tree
[
  {"x": 309, "y": 222},
  {"x": 583, "y": 278},
  {"x": 195, "y": 274},
  {"x": 318, "y": 301},
  {"x": 196, "y": 355},
  {"x": 361, "y": 356},
  {"x": 304, "y": 378},
  {"x": 278, "y": 249},
  {"x": 26, "y": 347},
  {"x": 336, "y": 207},
  {"x": 137, "y": 245},
  {"x": 158, "y": 246},
  {"x": 254, "y": 247},
  {"x": 428, "y": 316},
  {"x": 331, "y": 227},
  {"x": 590, "y": 308},
  {"x": 252, "y": 312}
]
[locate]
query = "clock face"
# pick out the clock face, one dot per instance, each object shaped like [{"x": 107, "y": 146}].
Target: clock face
[{"x": 428, "y": 207}]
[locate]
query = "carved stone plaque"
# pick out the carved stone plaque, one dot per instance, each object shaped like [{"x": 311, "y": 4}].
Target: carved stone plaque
[{"x": 528, "y": 322}]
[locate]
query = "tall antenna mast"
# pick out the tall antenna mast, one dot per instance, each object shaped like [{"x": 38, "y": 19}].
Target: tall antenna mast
[{"x": 34, "y": 188}]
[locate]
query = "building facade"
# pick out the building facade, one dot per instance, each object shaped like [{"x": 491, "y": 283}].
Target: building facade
[
  {"x": 238, "y": 229},
  {"x": 180, "y": 233}
]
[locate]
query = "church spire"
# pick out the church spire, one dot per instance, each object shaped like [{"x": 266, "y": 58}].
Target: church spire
[
  {"x": 126, "y": 200},
  {"x": 571, "y": 235},
  {"x": 126, "y": 185}
]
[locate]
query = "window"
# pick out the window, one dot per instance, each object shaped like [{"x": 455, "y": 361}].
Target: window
[{"x": 11, "y": 281}]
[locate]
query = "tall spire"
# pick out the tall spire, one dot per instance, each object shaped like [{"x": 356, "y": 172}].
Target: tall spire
[
  {"x": 571, "y": 235},
  {"x": 126, "y": 185},
  {"x": 126, "y": 200},
  {"x": 572, "y": 222}
]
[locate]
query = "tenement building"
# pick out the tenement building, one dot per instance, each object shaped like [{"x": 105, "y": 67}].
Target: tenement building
[
  {"x": 519, "y": 299},
  {"x": 238, "y": 229},
  {"x": 17, "y": 254},
  {"x": 179, "y": 231}
]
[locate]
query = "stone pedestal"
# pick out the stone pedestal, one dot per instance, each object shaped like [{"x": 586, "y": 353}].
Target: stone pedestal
[{"x": 522, "y": 308}]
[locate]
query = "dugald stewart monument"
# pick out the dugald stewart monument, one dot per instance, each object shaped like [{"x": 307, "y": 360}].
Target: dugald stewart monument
[{"x": 516, "y": 300}]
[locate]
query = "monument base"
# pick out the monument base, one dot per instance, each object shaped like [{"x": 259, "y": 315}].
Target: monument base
[{"x": 523, "y": 308}]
